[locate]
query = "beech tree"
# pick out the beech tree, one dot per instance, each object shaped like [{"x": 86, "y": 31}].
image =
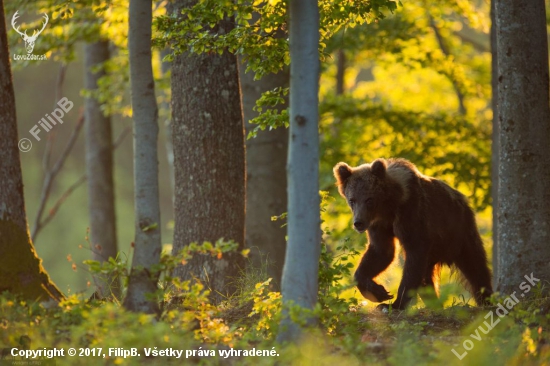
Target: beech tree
[
  {"x": 495, "y": 140},
  {"x": 266, "y": 155},
  {"x": 524, "y": 166},
  {"x": 209, "y": 160},
  {"x": 147, "y": 246},
  {"x": 99, "y": 171},
  {"x": 300, "y": 282},
  {"x": 21, "y": 270},
  {"x": 266, "y": 195}
]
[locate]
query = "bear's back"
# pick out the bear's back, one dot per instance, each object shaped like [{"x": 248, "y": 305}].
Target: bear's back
[
  {"x": 430, "y": 206},
  {"x": 447, "y": 219}
]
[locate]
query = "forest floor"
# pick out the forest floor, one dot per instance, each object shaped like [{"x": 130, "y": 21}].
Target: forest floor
[{"x": 458, "y": 335}]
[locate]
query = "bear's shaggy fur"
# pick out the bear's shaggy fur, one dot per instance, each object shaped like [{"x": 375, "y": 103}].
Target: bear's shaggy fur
[{"x": 391, "y": 199}]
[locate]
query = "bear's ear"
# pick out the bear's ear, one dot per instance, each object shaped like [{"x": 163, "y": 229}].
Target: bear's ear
[
  {"x": 342, "y": 172},
  {"x": 378, "y": 168}
]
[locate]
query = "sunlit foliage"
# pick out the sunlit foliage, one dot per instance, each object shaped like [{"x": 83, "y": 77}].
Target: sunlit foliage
[{"x": 416, "y": 85}]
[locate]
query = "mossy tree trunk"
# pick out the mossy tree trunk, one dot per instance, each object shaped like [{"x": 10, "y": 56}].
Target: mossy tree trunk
[
  {"x": 209, "y": 161},
  {"x": 21, "y": 270}
]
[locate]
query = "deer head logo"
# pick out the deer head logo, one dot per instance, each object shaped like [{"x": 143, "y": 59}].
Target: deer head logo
[{"x": 29, "y": 41}]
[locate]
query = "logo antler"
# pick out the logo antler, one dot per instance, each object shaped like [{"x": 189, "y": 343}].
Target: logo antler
[
  {"x": 13, "y": 18},
  {"x": 29, "y": 41}
]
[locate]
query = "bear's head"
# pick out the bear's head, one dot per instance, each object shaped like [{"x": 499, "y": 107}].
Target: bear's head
[{"x": 370, "y": 191}]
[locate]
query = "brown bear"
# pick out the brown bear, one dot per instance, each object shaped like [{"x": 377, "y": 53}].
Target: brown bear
[{"x": 391, "y": 199}]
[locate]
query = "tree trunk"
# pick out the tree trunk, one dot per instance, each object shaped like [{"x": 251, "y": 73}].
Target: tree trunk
[
  {"x": 21, "y": 270},
  {"x": 209, "y": 161},
  {"x": 147, "y": 246},
  {"x": 99, "y": 170},
  {"x": 266, "y": 196},
  {"x": 300, "y": 274},
  {"x": 524, "y": 118},
  {"x": 495, "y": 141},
  {"x": 166, "y": 113}
]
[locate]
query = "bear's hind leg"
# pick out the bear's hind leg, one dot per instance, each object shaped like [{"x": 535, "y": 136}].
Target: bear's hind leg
[
  {"x": 414, "y": 275},
  {"x": 472, "y": 262},
  {"x": 431, "y": 278}
]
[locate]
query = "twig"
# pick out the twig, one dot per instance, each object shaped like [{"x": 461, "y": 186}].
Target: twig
[
  {"x": 64, "y": 196},
  {"x": 341, "y": 64},
  {"x": 55, "y": 208},
  {"x": 158, "y": 4},
  {"x": 60, "y": 80},
  {"x": 51, "y": 137},
  {"x": 445, "y": 50},
  {"x": 50, "y": 175}
]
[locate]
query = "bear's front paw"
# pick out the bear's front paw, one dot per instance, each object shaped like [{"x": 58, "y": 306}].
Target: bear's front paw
[
  {"x": 373, "y": 291},
  {"x": 385, "y": 308}
]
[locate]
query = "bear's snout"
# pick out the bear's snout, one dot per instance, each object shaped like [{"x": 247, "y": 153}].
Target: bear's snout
[{"x": 359, "y": 225}]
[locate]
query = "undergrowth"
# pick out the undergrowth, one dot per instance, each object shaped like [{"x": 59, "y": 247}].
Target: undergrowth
[{"x": 246, "y": 324}]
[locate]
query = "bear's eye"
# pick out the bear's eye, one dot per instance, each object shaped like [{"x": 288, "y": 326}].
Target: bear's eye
[
  {"x": 369, "y": 202},
  {"x": 351, "y": 201}
]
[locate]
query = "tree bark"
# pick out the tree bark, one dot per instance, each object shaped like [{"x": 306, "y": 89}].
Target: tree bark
[
  {"x": 21, "y": 270},
  {"x": 524, "y": 118},
  {"x": 147, "y": 246},
  {"x": 300, "y": 274},
  {"x": 165, "y": 108},
  {"x": 266, "y": 195},
  {"x": 495, "y": 141},
  {"x": 209, "y": 162},
  {"x": 99, "y": 170}
]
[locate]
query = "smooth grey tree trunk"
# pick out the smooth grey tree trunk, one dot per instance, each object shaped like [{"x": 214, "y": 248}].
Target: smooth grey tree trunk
[
  {"x": 21, "y": 270},
  {"x": 209, "y": 162},
  {"x": 495, "y": 141},
  {"x": 524, "y": 118},
  {"x": 147, "y": 246},
  {"x": 266, "y": 195},
  {"x": 99, "y": 170},
  {"x": 300, "y": 274}
]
